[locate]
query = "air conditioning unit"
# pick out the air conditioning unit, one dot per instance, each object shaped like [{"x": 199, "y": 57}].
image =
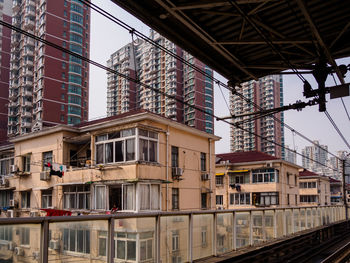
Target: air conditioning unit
[
  {"x": 11, "y": 202},
  {"x": 19, "y": 251},
  {"x": 205, "y": 177},
  {"x": 10, "y": 246},
  {"x": 4, "y": 182},
  {"x": 10, "y": 213},
  {"x": 36, "y": 255},
  {"x": 13, "y": 168},
  {"x": 220, "y": 208},
  {"x": 54, "y": 244},
  {"x": 268, "y": 164},
  {"x": 176, "y": 171},
  {"x": 34, "y": 213},
  {"x": 45, "y": 176}
]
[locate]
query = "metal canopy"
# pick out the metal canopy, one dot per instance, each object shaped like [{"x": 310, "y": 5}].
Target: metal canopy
[{"x": 248, "y": 39}]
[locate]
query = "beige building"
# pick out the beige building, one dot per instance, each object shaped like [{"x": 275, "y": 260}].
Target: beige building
[
  {"x": 255, "y": 179},
  {"x": 134, "y": 162},
  {"x": 336, "y": 188},
  {"x": 314, "y": 189}
]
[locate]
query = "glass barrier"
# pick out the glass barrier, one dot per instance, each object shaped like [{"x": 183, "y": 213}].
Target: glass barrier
[
  {"x": 203, "y": 226},
  {"x": 289, "y": 221},
  {"x": 257, "y": 227},
  {"x": 20, "y": 243},
  {"x": 224, "y": 233},
  {"x": 242, "y": 229},
  {"x": 269, "y": 225},
  {"x": 78, "y": 241}
]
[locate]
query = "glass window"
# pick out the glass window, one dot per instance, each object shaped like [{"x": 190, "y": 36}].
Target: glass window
[
  {"x": 76, "y": 240},
  {"x": 175, "y": 198},
  {"x": 100, "y": 197},
  {"x": 26, "y": 163},
  {"x": 219, "y": 180},
  {"x": 219, "y": 199},
  {"x": 47, "y": 158},
  {"x": 46, "y": 199},
  {"x": 76, "y": 196},
  {"x": 203, "y": 162},
  {"x": 128, "y": 197},
  {"x": 25, "y": 199},
  {"x": 174, "y": 156},
  {"x": 24, "y": 235}
]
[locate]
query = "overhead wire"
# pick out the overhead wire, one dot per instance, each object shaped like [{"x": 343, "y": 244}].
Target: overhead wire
[
  {"x": 146, "y": 86},
  {"x": 346, "y": 110},
  {"x": 151, "y": 41}
]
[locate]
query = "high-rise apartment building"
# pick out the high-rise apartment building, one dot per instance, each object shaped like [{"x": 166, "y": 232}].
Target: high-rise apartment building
[
  {"x": 290, "y": 155},
  {"x": 164, "y": 74},
  {"x": 315, "y": 157},
  {"x": 267, "y": 93},
  {"x": 48, "y": 86},
  {"x": 5, "y": 47}
]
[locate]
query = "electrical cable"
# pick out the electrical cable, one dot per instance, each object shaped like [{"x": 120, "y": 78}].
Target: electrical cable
[
  {"x": 149, "y": 40},
  {"x": 346, "y": 110},
  {"x": 142, "y": 84},
  {"x": 337, "y": 129}
]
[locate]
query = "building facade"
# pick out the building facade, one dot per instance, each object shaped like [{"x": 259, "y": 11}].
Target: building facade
[
  {"x": 315, "y": 157},
  {"x": 132, "y": 162},
  {"x": 314, "y": 189},
  {"x": 48, "y": 86},
  {"x": 290, "y": 155},
  {"x": 255, "y": 179},
  {"x": 267, "y": 93},
  {"x": 164, "y": 74},
  {"x": 5, "y": 48}
]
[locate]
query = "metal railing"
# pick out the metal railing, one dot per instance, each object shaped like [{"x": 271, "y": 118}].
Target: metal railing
[{"x": 155, "y": 236}]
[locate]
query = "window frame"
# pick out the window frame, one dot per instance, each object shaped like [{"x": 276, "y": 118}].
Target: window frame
[{"x": 25, "y": 199}]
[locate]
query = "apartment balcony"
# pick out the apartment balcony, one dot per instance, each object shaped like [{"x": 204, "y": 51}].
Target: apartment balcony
[
  {"x": 27, "y": 83},
  {"x": 27, "y": 104},
  {"x": 38, "y": 109},
  {"x": 26, "y": 124}
]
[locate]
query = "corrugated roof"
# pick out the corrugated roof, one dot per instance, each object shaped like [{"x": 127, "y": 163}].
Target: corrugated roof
[
  {"x": 307, "y": 173},
  {"x": 241, "y": 157}
]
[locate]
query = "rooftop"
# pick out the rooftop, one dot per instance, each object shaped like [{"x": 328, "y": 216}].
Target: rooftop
[{"x": 241, "y": 157}]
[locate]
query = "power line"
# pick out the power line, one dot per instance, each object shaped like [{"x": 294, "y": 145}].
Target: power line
[
  {"x": 144, "y": 85},
  {"x": 336, "y": 128},
  {"x": 346, "y": 110},
  {"x": 149, "y": 40}
]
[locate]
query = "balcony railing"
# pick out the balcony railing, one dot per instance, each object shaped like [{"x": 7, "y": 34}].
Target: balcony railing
[{"x": 153, "y": 237}]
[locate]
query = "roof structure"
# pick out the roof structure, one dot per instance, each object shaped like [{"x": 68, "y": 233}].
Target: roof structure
[
  {"x": 242, "y": 157},
  {"x": 248, "y": 39},
  {"x": 305, "y": 172}
]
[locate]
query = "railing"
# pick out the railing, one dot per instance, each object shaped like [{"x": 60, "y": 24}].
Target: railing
[{"x": 153, "y": 237}]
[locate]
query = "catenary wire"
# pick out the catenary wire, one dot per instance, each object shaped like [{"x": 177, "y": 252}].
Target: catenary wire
[
  {"x": 346, "y": 110},
  {"x": 149, "y": 40},
  {"x": 145, "y": 85}
]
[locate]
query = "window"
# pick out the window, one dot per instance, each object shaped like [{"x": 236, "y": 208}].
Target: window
[
  {"x": 46, "y": 199},
  {"x": 64, "y": 12},
  {"x": 120, "y": 147},
  {"x": 265, "y": 199},
  {"x": 268, "y": 175},
  {"x": 175, "y": 244},
  {"x": 204, "y": 236},
  {"x": 102, "y": 243},
  {"x": 149, "y": 197},
  {"x": 307, "y": 185},
  {"x": 308, "y": 198},
  {"x": 126, "y": 246},
  {"x": 47, "y": 158},
  {"x": 76, "y": 240},
  {"x": 100, "y": 197},
  {"x": 204, "y": 200},
  {"x": 148, "y": 146},
  {"x": 240, "y": 199},
  {"x": 26, "y": 163},
  {"x": 175, "y": 198},
  {"x": 63, "y": 65},
  {"x": 219, "y": 180},
  {"x": 24, "y": 235},
  {"x": 25, "y": 199},
  {"x": 238, "y": 178},
  {"x": 219, "y": 200},
  {"x": 146, "y": 245},
  {"x": 76, "y": 196},
  {"x": 5, "y": 197},
  {"x": 128, "y": 197},
  {"x": 6, "y": 233},
  {"x": 203, "y": 162},
  {"x": 174, "y": 156}
]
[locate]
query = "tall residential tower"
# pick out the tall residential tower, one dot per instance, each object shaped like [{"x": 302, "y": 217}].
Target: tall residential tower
[
  {"x": 5, "y": 48},
  {"x": 48, "y": 86},
  {"x": 165, "y": 75},
  {"x": 267, "y": 93}
]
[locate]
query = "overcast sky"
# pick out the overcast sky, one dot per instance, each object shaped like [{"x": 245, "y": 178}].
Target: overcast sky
[{"x": 107, "y": 37}]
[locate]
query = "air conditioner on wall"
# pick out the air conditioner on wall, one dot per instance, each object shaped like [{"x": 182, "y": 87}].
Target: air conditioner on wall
[
  {"x": 34, "y": 213},
  {"x": 4, "y": 182},
  {"x": 54, "y": 244},
  {"x": 205, "y": 177},
  {"x": 19, "y": 251},
  {"x": 176, "y": 171},
  {"x": 11, "y": 202},
  {"x": 13, "y": 168},
  {"x": 45, "y": 176}
]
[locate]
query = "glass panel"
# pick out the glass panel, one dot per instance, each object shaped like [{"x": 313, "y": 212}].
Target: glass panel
[
  {"x": 130, "y": 149},
  {"x": 202, "y": 236},
  {"x": 224, "y": 233},
  {"x": 119, "y": 151},
  {"x": 296, "y": 220},
  {"x": 78, "y": 241},
  {"x": 309, "y": 218},
  {"x": 20, "y": 242},
  {"x": 257, "y": 231},
  {"x": 279, "y": 223},
  {"x": 269, "y": 224},
  {"x": 302, "y": 219},
  {"x": 289, "y": 223},
  {"x": 242, "y": 229}
]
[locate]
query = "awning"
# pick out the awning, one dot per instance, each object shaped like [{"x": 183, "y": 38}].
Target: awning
[
  {"x": 24, "y": 190},
  {"x": 7, "y": 188},
  {"x": 220, "y": 174},
  {"x": 238, "y": 171}
]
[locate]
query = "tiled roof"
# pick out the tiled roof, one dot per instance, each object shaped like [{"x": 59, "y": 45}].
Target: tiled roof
[
  {"x": 307, "y": 173},
  {"x": 332, "y": 180},
  {"x": 241, "y": 157}
]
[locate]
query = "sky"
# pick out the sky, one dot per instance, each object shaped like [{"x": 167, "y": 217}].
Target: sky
[{"x": 107, "y": 37}]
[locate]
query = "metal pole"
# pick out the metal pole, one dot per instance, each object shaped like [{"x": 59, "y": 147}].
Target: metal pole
[
  {"x": 44, "y": 241},
  {"x": 111, "y": 244},
  {"x": 344, "y": 193}
]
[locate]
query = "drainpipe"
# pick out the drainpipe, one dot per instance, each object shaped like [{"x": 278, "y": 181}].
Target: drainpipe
[
  {"x": 210, "y": 172},
  {"x": 167, "y": 168}
]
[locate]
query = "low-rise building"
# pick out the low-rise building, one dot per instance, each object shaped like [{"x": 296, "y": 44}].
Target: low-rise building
[
  {"x": 255, "y": 179},
  {"x": 137, "y": 161},
  {"x": 336, "y": 188},
  {"x": 314, "y": 189}
]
